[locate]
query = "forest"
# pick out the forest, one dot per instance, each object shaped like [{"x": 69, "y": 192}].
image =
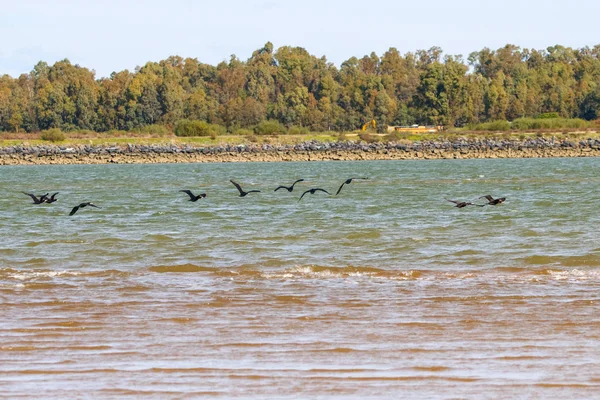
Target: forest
[{"x": 290, "y": 86}]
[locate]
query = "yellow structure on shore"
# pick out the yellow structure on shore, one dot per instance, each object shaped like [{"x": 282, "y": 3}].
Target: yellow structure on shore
[
  {"x": 416, "y": 128},
  {"x": 371, "y": 123}
]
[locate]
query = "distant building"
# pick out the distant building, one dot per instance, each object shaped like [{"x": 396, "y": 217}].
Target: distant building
[{"x": 416, "y": 128}]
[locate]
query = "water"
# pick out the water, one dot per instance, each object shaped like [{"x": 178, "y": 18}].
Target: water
[{"x": 385, "y": 290}]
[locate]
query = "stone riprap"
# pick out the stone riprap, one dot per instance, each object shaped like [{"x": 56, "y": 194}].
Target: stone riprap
[{"x": 308, "y": 151}]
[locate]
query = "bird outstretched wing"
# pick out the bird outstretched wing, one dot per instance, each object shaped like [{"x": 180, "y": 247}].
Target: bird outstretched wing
[
  {"x": 304, "y": 194},
  {"x": 74, "y": 210},
  {"x": 239, "y": 188},
  {"x": 340, "y": 189},
  {"x": 189, "y": 193},
  {"x": 299, "y": 180},
  {"x": 33, "y": 197}
]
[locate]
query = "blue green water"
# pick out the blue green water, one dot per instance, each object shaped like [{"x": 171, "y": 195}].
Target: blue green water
[{"x": 399, "y": 218}]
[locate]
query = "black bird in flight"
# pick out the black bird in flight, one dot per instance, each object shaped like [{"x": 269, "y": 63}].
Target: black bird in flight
[
  {"x": 347, "y": 181},
  {"x": 193, "y": 197},
  {"x": 289, "y": 188},
  {"x": 74, "y": 210},
  {"x": 37, "y": 200},
  {"x": 312, "y": 191},
  {"x": 52, "y": 198},
  {"x": 492, "y": 201},
  {"x": 242, "y": 192},
  {"x": 461, "y": 204}
]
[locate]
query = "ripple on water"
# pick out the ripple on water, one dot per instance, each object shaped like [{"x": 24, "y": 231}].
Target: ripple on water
[
  {"x": 155, "y": 237},
  {"x": 364, "y": 234},
  {"x": 587, "y": 260},
  {"x": 181, "y": 268}
]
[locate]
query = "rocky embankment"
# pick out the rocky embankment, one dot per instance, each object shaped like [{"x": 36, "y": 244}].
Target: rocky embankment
[{"x": 309, "y": 151}]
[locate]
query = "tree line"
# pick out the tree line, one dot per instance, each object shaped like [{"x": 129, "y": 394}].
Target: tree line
[{"x": 295, "y": 88}]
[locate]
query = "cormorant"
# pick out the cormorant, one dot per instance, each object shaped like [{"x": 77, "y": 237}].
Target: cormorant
[
  {"x": 492, "y": 201},
  {"x": 193, "y": 197},
  {"x": 74, "y": 210},
  {"x": 37, "y": 200},
  {"x": 347, "y": 181},
  {"x": 461, "y": 204},
  {"x": 52, "y": 198},
  {"x": 242, "y": 192},
  {"x": 312, "y": 191},
  {"x": 289, "y": 188}
]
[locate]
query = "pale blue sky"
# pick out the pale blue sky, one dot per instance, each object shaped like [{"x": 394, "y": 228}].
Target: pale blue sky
[{"x": 113, "y": 35}]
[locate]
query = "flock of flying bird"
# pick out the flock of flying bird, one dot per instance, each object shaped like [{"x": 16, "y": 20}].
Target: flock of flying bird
[
  {"x": 47, "y": 198},
  {"x": 290, "y": 189},
  {"x": 51, "y": 199}
]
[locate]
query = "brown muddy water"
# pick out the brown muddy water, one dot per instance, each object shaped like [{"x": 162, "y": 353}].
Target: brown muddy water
[{"x": 383, "y": 291}]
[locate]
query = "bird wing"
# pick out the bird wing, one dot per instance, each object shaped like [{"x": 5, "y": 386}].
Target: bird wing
[
  {"x": 304, "y": 194},
  {"x": 253, "y": 191},
  {"x": 291, "y": 188},
  {"x": 487, "y": 196},
  {"x": 74, "y": 210},
  {"x": 453, "y": 201},
  {"x": 340, "y": 189},
  {"x": 35, "y": 199},
  {"x": 189, "y": 193},
  {"x": 93, "y": 205},
  {"x": 237, "y": 186},
  {"x": 280, "y": 187},
  {"x": 53, "y": 195},
  {"x": 322, "y": 190}
]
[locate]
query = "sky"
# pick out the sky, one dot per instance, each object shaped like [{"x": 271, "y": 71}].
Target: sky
[{"x": 114, "y": 35}]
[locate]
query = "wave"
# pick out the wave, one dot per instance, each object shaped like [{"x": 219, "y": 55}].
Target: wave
[
  {"x": 502, "y": 273},
  {"x": 41, "y": 279},
  {"x": 41, "y": 274}
]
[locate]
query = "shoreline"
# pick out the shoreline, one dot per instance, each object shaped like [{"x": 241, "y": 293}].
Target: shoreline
[{"x": 308, "y": 151}]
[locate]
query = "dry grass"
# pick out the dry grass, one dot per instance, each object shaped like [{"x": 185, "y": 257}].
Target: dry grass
[{"x": 122, "y": 137}]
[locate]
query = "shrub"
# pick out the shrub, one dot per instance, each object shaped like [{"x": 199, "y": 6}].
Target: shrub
[
  {"x": 367, "y": 137},
  {"x": 499, "y": 125},
  {"x": 53, "y": 135},
  {"x": 549, "y": 123},
  {"x": 85, "y": 132},
  {"x": 548, "y": 115},
  {"x": 188, "y": 128},
  {"x": 298, "y": 130},
  {"x": 392, "y": 137},
  {"x": 252, "y": 139},
  {"x": 269, "y": 127}
]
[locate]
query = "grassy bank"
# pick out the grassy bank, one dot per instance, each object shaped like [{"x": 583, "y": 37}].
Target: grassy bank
[{"x": 123, "y": 138}]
